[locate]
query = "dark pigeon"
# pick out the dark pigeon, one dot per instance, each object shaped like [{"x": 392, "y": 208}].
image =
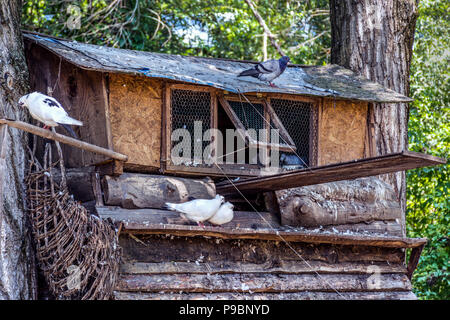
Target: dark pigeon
[
  {"x": 292, "y": 161},
  {"x": 267, "y": 70}
]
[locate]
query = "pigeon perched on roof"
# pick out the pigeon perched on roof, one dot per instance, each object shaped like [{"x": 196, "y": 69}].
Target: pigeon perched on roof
[
  {"x": 223, "y": 215},
  {"x": 267, "y": 70},
  {"x": 48, "y": 111},
  {"x": 197, "y": 210}
]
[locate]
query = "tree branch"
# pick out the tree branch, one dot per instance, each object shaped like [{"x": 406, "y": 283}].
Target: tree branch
[{"x": 264, "y": 26}]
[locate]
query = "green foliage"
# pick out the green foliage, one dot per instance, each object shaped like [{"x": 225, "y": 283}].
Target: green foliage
[
  {"x": 220, "y": 28},
  {"x": 228, "y": 29},
  {"x": 428, "y": 208}
]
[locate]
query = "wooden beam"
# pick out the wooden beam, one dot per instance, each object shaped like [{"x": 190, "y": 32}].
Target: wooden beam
[
  {"x": 245, "y": 225},
  {"x": 233, "y": 117},
  {"x": 112, "y": 168},
  {"x": 394, "y": 162},
  {"x": 63, "y": 139},
  {"x": 260, "y": 283},
  {"x": 281, "y": 267},
  {"x": 281, "y": 147},
  {"x": 414, "y": 260},
  {"x": 373, "y": 295}
]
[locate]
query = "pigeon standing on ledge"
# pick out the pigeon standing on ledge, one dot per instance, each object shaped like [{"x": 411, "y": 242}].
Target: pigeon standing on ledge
[
  {"x": 197, "y": 210},
  {"x": 49, "y": 111},
  {"x": 267, "y": 70},
  {"x": 223, "y": 215}
]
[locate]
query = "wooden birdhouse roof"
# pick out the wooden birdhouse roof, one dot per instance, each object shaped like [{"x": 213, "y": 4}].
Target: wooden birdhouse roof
[{"x": 322, "y": 81}]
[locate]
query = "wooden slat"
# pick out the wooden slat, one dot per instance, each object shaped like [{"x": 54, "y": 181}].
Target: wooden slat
[
  {"x": 394, "y": 162},
  {"x": 245, "y": 225},
  {"x": 414, "y": 260},
  {"x": 278, "y": 124},
  {"x": 285, "y": 267},
  {"x": 261, "y": 283},
  {"x": 281, "y": 147},
  {"x": 168, "y": 248},
  {"x": 382, "y": 295}
]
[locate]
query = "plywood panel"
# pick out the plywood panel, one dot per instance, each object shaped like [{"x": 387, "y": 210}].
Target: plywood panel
[
  {"x": 81, "y": 94},
  {"x": 342, "y": 130},
  {"x": 135, "y": 112}
]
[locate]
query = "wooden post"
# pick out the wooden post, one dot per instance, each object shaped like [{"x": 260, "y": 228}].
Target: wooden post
[{"x": 64, "y": 139}]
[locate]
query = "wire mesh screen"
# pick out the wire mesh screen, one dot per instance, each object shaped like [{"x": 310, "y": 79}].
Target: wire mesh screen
[
  {"x": 251, "y": 115},
  {"x": 188, "y": 109},
  {"x": 299, "y": 120}
]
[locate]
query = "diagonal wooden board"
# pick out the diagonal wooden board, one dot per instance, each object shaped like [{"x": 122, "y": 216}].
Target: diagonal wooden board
[{"x": 389, "y": 163}]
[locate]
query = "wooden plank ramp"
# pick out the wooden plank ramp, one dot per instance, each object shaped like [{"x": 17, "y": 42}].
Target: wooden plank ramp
[{"x": 389, "y": 163}]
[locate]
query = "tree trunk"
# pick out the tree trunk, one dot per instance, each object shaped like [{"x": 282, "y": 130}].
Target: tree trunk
[
  {"x": 17, "y": 272},
  {"x": 339, "y": 203},
  {"x": 374, "y": 38}
]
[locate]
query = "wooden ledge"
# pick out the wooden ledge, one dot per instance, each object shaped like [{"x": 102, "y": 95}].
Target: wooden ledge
[
  {"x": 246, "y": 225},
  {"x": 63, "y": 139}
]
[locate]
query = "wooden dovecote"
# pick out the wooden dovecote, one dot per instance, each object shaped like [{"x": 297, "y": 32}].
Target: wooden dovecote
[{"x": 133, "y": 103}]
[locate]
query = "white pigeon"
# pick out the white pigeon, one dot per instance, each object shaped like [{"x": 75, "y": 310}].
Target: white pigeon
[
  {"x": 197, "y": 210},
  {"x": 48, "y": 111},
  {"x": 223, "y": 215}
]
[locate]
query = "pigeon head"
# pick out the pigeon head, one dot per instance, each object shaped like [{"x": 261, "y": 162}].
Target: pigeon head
[
  {"x": 229, "y": 205},
  {"x": 221, "y": 198},
  {"x": 23, "y": 101},
  {"x": 284, "y": 60},
  {"x": 283, "y": 158}
]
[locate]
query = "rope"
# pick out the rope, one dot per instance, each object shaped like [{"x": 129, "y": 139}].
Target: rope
[
  {"x": 280, "y": 236},
  {"x": 268, "y": 223}
]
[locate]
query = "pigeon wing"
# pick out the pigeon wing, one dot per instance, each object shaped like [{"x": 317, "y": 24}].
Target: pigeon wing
[
  {"x": 200, "y": 209},
  {"x": 269, "y": 66},
  {"x": 52, "y": 109},
  {"x": 57, "y": 113}
]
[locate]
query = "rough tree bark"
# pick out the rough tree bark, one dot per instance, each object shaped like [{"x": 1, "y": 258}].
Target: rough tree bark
[
  {"x": 374, "y": 38},
  {"x": 17, "y": 272}
]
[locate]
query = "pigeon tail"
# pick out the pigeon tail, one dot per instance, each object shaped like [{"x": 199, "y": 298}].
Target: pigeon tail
[
  {"x": 72, "y": 121},
  {"x": 69, "y": 130},
  {"x": 250, "y": 72},
  {"x": 170, "y": 206}
]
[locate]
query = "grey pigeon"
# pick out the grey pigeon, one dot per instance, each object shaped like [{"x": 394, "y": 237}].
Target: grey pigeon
[
  {"x": 292, "y": 161},
  {"x": 267, "y": 70}
]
